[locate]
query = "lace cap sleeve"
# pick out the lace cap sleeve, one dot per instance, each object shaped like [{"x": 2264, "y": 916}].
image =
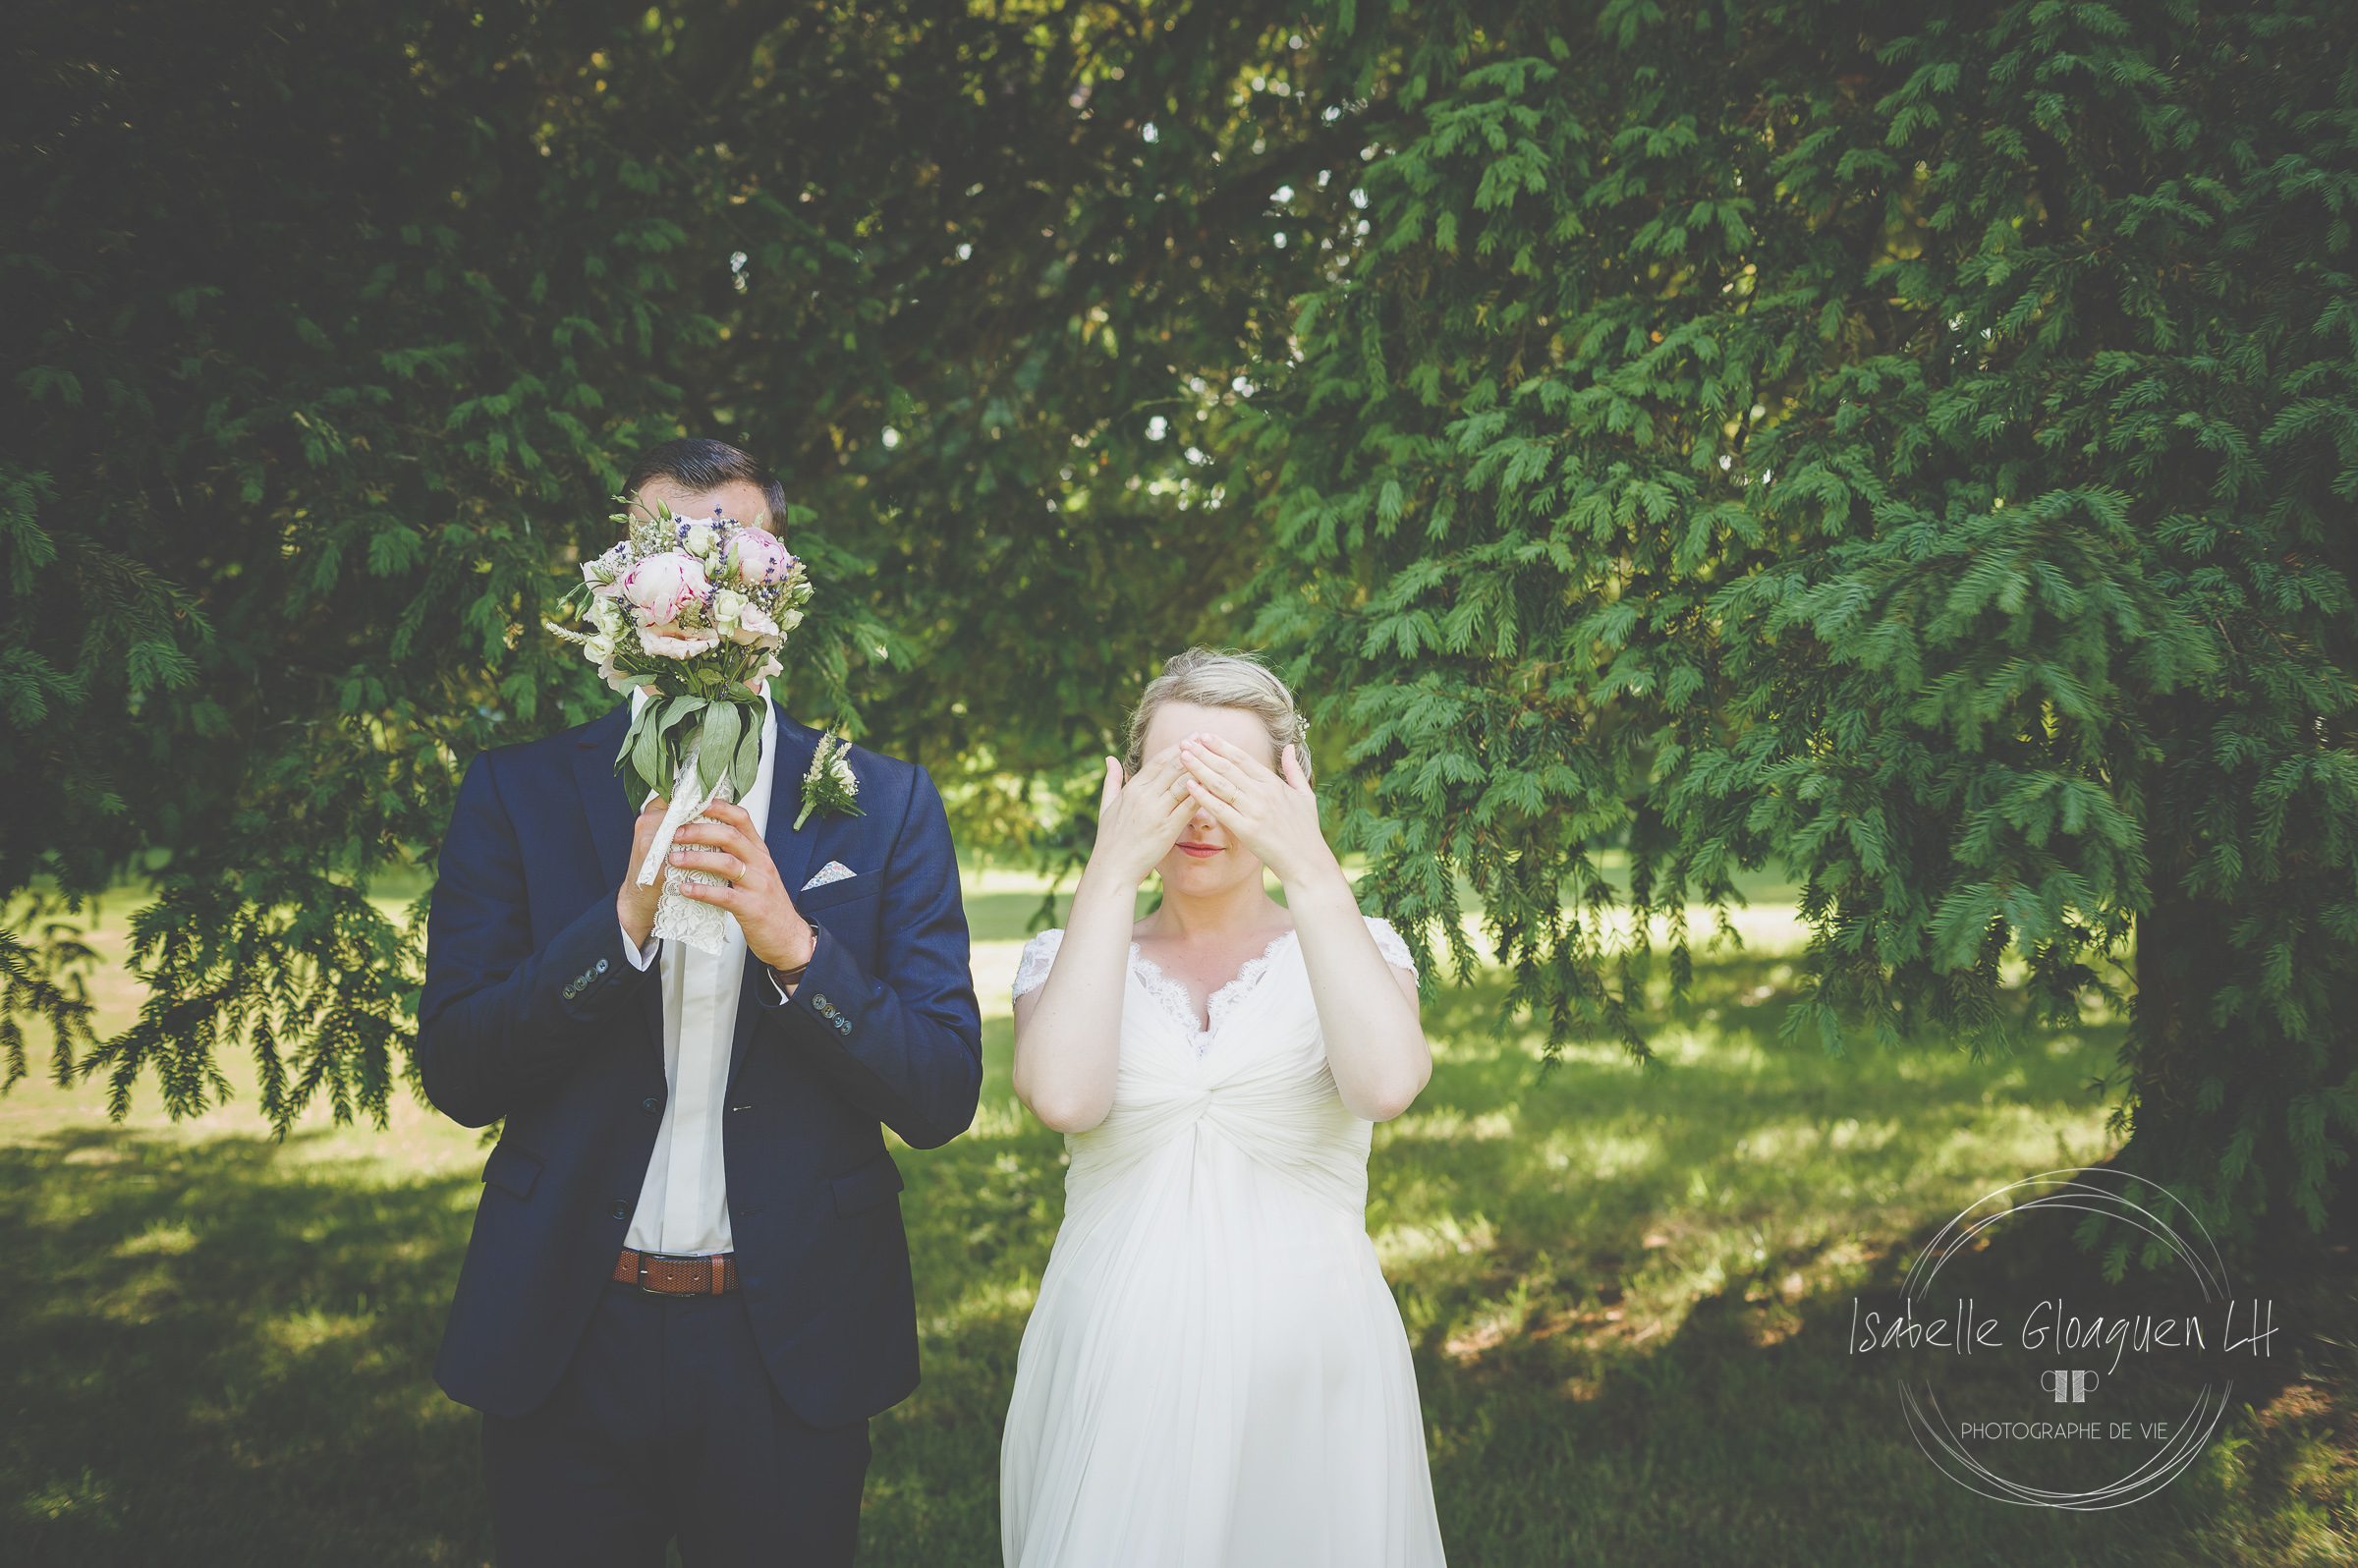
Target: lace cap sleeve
[
  {"x": 1388, "y": 942},
  {"x": 1038, "y": 955}
]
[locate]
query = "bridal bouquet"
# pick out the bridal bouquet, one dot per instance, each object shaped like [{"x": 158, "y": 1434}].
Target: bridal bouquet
[{"x": 695, "y": 609}]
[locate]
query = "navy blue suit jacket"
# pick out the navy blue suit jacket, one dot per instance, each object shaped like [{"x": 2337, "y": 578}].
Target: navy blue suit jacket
[{"x": 533, "y": 1012}]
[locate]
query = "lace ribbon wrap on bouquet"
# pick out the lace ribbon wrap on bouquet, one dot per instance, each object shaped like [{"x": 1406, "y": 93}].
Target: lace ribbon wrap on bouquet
[{"x": 704, "y": 926}]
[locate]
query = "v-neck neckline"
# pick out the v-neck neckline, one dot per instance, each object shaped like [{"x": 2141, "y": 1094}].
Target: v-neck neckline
[{"x": 1173, "y": 993}]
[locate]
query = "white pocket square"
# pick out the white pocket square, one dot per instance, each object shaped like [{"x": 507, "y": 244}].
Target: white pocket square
[{"x": 832, "y": 872}]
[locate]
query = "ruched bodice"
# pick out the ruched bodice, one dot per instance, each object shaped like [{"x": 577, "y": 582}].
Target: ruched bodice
[
  {"x": 1215, "y": 1373},
  {"x": 1264, "y": 1092}
]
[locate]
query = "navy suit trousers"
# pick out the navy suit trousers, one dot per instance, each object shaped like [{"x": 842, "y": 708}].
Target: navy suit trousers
[{"x": 667, "y": 1423}]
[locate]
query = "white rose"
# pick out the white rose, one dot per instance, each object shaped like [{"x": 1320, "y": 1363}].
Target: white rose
[
  {"x": 727, "y": 605},
  {"x": 753, "y": 625},
  {"x": 698, "y": 539}
]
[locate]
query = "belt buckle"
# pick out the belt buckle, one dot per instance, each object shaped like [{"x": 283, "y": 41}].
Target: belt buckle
[{"x": 647, "y": 1289}]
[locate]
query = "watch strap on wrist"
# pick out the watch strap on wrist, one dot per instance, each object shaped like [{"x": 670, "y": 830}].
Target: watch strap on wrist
[{"x": 787, "y": 977}]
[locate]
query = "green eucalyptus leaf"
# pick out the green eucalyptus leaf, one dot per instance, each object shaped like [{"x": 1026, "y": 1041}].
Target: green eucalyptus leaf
[
  {"x": 718, "y": 741},
  {"x": 626, "y": 760},
  {"x": 647, "y": 756},
  {"x": 747, "y": 762}
]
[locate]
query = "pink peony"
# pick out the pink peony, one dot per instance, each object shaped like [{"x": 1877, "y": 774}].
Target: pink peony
[
  {"x": 660, "y": 586},
  {"x": 758, "y": 556}
]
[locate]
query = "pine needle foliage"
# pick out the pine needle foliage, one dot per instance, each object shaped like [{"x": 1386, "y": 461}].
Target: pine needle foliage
[
  {"x": 1913, "y": 443},
  {"x": 332, "y": 328}
]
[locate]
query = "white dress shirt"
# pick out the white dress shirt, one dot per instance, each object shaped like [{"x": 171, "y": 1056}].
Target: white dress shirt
[{"x": 684, "y": 1203}]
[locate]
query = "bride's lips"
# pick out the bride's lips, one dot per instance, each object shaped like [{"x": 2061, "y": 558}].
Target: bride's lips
[{"x": 1200, "y": 850}]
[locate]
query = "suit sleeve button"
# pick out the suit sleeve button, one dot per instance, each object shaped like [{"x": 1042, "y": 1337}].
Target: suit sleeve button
[{"x": 601, "y": 966}]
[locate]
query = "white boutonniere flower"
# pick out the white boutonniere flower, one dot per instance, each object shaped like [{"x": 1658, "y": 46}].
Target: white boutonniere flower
[{"x": 828, "y": 784}]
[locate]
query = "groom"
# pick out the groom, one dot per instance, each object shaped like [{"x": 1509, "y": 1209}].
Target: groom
[{"x": 688, "y": 1286}]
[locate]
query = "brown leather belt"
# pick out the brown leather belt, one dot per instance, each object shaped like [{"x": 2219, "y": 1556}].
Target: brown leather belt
[{"x": 668, "y": 1274}]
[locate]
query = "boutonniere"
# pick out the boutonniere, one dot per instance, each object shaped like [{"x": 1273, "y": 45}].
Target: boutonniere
[{"x": 828, "y": 784}]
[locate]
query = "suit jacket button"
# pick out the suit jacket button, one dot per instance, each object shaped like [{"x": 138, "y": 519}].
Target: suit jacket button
[
  {"x": 620, "y": 1210},
  {"x": 650, "y": 1105}
]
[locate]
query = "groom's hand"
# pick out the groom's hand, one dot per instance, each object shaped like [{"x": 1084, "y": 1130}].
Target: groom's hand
[
  {"x": 635, "y": 905},
  {"x": 730, "y": 846}
]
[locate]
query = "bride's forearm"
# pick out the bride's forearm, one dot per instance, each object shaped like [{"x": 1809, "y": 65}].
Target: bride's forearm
[
  {"x": 1068, "y": 1040},
  {"x": 1375, "y": 1047}
]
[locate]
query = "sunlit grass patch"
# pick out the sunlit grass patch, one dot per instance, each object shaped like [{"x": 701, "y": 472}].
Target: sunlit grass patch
[
  {"x": 162, "y": 1236},
  {"x": 1620, "y": 1286}
]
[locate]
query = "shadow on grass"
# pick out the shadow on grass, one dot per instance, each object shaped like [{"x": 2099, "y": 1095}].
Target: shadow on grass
[
  {"x": 1716, "y": 1447},
  {"x": 223, "y": 1357},
  {"x": 1629, "y": 1298},
  {"x": 1626, "y": 1295}
]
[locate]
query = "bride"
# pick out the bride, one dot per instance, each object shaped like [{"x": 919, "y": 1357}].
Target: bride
[{"x": 1215, "y": 1374}]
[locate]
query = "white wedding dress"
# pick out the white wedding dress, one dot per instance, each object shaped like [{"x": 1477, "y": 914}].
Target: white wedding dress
[{"x": 1215, "y": 1374}]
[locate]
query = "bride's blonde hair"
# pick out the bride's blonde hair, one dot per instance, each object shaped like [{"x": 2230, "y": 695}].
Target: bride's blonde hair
[{"x": 1211, "y": 677}]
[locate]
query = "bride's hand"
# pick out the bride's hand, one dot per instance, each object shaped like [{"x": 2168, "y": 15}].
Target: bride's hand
[
  {"x": 1140, "y": 819},
  {"x": 1276, "y": 818}
]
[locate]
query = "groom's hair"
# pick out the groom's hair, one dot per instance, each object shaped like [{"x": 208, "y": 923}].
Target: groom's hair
[{"x": 693, "y": 463}]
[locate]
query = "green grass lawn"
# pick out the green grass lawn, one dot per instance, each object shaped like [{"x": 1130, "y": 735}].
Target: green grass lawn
[{"x": 1626, "y": 1292}]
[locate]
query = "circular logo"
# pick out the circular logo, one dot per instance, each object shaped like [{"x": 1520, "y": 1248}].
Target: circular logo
[{"x": 2066, "y": 1389}]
